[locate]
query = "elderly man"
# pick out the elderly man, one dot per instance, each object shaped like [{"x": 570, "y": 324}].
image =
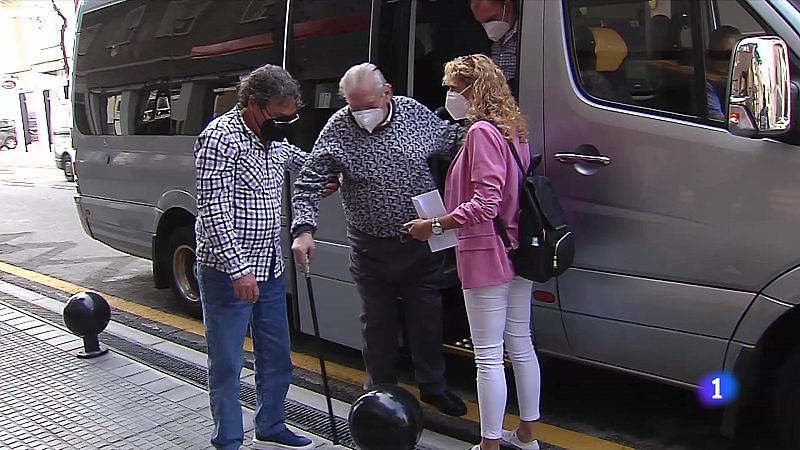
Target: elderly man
[
  {"x": 499, "y": 20},
  {"x": 380, "y": 144},
  {"x": 240, "y": 160}
]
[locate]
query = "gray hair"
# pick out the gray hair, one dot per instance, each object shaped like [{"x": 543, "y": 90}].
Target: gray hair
[
  {"x": 266, "y": 82},
  {"x": 360, "y": 74}
]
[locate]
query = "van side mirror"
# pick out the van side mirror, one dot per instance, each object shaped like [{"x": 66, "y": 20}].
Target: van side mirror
[{"x": 761, "y": 94}]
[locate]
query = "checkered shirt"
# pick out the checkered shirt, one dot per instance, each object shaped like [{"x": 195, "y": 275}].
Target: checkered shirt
[
  {"x": 239, "y": 198},
  {"x": 504, "y": 54}
]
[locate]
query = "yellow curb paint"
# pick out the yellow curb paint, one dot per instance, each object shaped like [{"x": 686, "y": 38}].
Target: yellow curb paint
[{"x": 550, "y": 434}]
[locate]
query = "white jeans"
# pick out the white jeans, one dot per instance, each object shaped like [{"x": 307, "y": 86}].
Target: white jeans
[{"x": 497, "y": 314}]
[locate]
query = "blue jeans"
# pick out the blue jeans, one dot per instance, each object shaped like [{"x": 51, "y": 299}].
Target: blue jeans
[{"x": 226, "y": 319}]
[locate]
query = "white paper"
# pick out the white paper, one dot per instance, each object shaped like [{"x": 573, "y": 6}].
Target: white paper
[{"x": 428, "y": 206}]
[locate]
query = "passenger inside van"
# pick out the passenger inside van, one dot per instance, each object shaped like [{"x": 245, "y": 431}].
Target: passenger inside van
[
  {"x": 499, "y": 21},
  {"x": 718, "y": 58},
  {"x": 444, "y": 30},
  {"x": 596, "y": 83}
]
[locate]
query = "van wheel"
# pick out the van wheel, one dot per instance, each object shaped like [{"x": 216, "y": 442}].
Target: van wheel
[
  {"x": 66, "y": 161},
  {"x": 787, "y": 401},
  {"x": 183, "y": 271},
  {"x": 10, "y": 143}
]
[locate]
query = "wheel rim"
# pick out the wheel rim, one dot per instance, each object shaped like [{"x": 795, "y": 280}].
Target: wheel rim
[
  {"x": 67, "y": 165},
  {"x": 184, "y": 270},
  {"x": 11, "y": 143}
]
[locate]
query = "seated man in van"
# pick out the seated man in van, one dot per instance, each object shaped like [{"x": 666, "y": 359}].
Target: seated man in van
[
  {"x": 718, "y": 59},
  {"x": 594, "y": 82},
  {"x": 499, "y": 20},
  {"x": 380, "y": 144}
]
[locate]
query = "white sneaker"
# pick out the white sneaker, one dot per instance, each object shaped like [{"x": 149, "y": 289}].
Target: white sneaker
[{"x": 510, "y": 438}]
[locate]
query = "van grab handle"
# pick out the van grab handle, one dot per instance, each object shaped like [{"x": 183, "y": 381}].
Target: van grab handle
[{"x": 577, "y": 158}]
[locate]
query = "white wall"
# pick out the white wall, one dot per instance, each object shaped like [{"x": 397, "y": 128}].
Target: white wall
[{"x": 27, "y": 27}]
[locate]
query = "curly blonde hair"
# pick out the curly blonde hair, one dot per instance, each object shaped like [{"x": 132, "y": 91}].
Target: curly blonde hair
[{"x": 491, "y": 97}]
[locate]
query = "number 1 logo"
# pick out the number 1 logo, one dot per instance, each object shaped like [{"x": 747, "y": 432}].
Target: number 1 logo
[
  {"x": 717, "y": 389},
  {"x": 716, "y": 382}
]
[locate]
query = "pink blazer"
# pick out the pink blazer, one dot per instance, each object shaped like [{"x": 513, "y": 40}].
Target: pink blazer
[{"x": 484, "y": 181}]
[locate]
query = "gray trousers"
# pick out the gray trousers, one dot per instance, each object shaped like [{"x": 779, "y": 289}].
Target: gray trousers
[{"x": 392, "y": 276}]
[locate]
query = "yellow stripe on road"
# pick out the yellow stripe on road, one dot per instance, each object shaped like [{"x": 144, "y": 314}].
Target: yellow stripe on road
[{"x": 550, "y": 434}]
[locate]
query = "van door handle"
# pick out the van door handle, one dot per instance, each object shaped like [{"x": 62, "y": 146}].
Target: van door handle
[{"x": 577, "y": 158}]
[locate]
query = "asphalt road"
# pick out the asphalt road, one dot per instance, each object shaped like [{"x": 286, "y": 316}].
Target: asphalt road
[{"x": 40, "y": 231}]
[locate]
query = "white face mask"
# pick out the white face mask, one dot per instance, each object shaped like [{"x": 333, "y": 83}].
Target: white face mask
[
  {"x": 369, "y": 119},
  {"x": 496, "y": 29},
  {"x": 457, "y": 105}
]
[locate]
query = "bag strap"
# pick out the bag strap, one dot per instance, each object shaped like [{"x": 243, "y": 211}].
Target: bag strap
[
  {"x": 501, "y": 230},
  {"x": 516, "y": 156},
  {"x": 498, "y": 222}
]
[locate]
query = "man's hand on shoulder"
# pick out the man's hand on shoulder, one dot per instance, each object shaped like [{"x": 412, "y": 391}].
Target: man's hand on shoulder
[{"x": 246, "y": 288}]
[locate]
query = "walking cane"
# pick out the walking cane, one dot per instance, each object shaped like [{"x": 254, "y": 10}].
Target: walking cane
[{"x": 321, "y": 355}]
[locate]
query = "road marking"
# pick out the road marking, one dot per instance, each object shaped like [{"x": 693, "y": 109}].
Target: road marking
[{"x": 560, "y": 437}]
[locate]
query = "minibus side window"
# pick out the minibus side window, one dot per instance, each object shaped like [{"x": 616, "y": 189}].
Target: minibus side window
[
  {"x": 112, "y": 116},
  {"x": 627, "y": 53},
  {"x": 221, "y": 38},
  {"x": 732, "y": 13},
  {"x": 444, "y": 30},
  {"x": 391, "y": 31},
  {"x": 223, "y": 99},
  {"x": 630, "y": 53},
  {"x": 326, "y": 38},
  {"x": 116, "y": 50},
  {"x": 155, "y": 111},
  {"x": 731, "y": 21},
  {"x": 218, "y": 97}
]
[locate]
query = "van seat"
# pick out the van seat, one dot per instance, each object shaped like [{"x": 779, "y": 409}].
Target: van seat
[{"x": 610, "y": 49}]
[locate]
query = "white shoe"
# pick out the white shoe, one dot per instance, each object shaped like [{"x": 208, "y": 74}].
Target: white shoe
[
  {"x": 477, "y": 447},
  {"x": 510, "y": 438}
]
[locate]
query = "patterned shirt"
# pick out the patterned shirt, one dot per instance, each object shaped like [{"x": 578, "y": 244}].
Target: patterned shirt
[
  {"x": 504, "y": 54},
  {"x": 380, "y": 172},
  {"x": 239, "y": 198}
]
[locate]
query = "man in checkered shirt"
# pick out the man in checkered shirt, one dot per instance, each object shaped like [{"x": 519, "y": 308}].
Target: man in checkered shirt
[
  {"x": 499, "y": 20},
  {"x": 240, "y": 158}
]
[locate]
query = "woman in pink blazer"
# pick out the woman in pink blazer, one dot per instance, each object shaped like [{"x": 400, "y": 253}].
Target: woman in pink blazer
[{"x": 484, "y": 181}]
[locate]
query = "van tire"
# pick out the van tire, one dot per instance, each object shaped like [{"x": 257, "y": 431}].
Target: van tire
[
  {"x": 183, "y": 271},
  {"x": 66, "y": 162},
  {"x": 10, "y": 143},
  {"x": 786, "y": 401}
]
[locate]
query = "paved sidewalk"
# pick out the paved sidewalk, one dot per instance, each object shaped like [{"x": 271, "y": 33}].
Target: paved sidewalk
[
  {"x": 38, "y": 156},
  {"x": 50, "y": 399}
]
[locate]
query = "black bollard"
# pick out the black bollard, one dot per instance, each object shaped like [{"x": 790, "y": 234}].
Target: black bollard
[
  {"x": 386, "y": 418},
  {"x": 86, "y": 315}
]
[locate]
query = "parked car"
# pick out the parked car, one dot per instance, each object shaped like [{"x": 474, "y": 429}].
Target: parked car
[
  {"x": 33, "y": 128},
  {"x": 63, "y": 152},
  {"x": 8, "y": 134}
]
